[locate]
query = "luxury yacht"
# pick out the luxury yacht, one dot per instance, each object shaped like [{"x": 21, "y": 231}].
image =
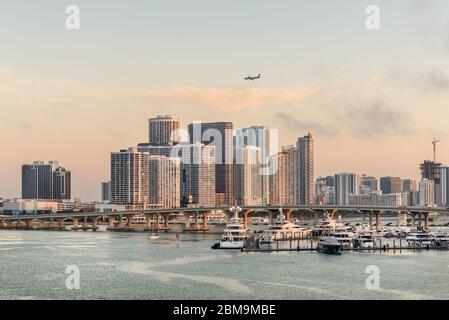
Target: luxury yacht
[
  {"x": 234, "y": 235},
  {"x": 420, "y": 238},
  {"x": 363, "y": 239},
  {"x": 326, "y": 226},
  {"x": 329, "y": 244},
  {"x": 282, "y": 230},
  {"x": 441, "y": 239},
  {"x": 343, "y": 235}
]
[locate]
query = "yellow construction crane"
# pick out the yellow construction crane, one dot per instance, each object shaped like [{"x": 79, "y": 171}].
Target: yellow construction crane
[{"x": 434, "y": 142}]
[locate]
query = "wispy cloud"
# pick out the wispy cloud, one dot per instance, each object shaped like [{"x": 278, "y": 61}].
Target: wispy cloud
[
  {"x": 292, "y": 123},
  {"x": 436, "y": 79},
  {"x": 376, "y": 119},
  {"x": 219, "y": 98}
]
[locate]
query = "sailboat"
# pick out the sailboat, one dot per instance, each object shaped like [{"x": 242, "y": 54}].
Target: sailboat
[{"x": 154, "y": 235}]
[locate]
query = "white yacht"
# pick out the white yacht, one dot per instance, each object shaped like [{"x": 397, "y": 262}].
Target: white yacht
[
  {"x": 398, "y": 232},
  {"x": 343, "y": 235},
  {"x": 326, "y": 226},
  {"x": 363, "y": 239},
  {"x": 282, "y": 230},
  {"x": 234, "y": 235},
  {"x": 441, "y": 239},
  {"x": 420, "y": 238}
]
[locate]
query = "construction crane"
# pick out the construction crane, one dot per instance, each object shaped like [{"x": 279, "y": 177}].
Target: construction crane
[{"x": 434, "y": 142}]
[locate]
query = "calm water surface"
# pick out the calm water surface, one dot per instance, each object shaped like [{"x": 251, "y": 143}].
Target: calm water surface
[{"x": 130, "y": 266}]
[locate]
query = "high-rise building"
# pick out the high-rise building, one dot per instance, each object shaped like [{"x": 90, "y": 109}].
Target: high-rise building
[
  {"x": 306, "y": 169},
  {"x": 391, "y": 185},
  {"x": 163, "y": 130},
  {"x": 410, "y": 185},
  {"x": 444, "y": 182},
  {"x": 197, "y": 175},
  {"x": 345, "y": 185},
  {"x": 220, "y": 135},
  {"x": 324, "y": 193},
  {"x": 266, "y": 140},
  {"x": 247, "y": 176},
  {"x": 129, "y": 178},
  {"x": 61, "y": 184},
  {"x": 426, "y": 192},
  {"x": 284, "y": 178},
  {"x": 372, "y": 183},
  {"x": 106, "y": 191},
  {"x": 432, "y": 170},
  {"x": 42, "y": 180},
  {"x": 165, "y": 181}
]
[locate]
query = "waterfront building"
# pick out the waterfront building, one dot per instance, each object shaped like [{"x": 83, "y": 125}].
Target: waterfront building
[
  {"x": 391, "y": 185},
  {"x": 444, "y": 186},
  {"x": 29, "y": 206},
  {"x": 345, "y": 185},
  {"x": 247, "y": 186},
  {"x": 375, "y": 199},
  {"x": 106, "y": 191},
  {"x": 426, "y": 192},
  {"x": 220, "y": 135},
  {"x": 305, "y": 146},
  {"x": 284, "y": 184},
  {"x": 42, "y": 180},
  {"x": 432, "y": 171},
  {"x": 266, "y": 139},
  {"x": 165, "y": 181},
  {"x": 129, "y": 178},
  {"x": 163, "y": 130}
]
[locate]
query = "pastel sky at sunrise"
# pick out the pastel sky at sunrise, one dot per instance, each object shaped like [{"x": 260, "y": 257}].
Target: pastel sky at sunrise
[{"x": 373, "y": 100}]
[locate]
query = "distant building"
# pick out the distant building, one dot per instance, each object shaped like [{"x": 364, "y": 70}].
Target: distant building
[
  {"x": 371, "y": 183},
  {"x": 390, "y": 185},
  {"x": 129, "y": 178},
  {"x": 220, "y": 135},
  {"x": 247, "y": 186},
  {"x": 284, "y": 184},
  {"x": 29, "y": 206},
  {"x": 324, "y": 191},
  {"x": 163, "y": 130},
  {"x": 409, "y": 185},
  {"x": 389, "y": 200},
  {"x": 165, "y": 181},
  {"x": 444, "y": 182},
  {"x": 306, "y": 169},
  {"x": 45, "y": 181},
  {"x": 426, "y": 192},
  {"x": 266, "y": 140},
  {"x": 432, "y": 171},
  {"x": 106, "y": 191},
  {"x": 345, "y": 185}
]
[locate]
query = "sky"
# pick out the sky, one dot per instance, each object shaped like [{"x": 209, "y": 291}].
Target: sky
[{"x": 373, "y": 99}]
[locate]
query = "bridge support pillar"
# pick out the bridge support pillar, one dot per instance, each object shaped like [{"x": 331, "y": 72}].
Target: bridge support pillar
[
  {"x": 364, "y": 217},
  {"x": 412, "y": 215},
  {"x": 419, "y": 219},
  {"x": 289, "y": 215},
  {"x": 378, "y": 219},
  {"x": 111, "y": 221},
  {"x": 245, "y": 217},
  {"x": 315, "y": 218},
  {"x": 205, "y": 222},
  {"x": 426, "y": 220},
  {"x": 29, "y": 223},
  {"x": 370, "y": 219},
  {"x": 75, "y": 222},
  {"x": 61, "y": 222}
]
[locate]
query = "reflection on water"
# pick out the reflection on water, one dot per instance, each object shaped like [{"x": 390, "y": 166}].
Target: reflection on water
[{"x": 131, "y": 266}]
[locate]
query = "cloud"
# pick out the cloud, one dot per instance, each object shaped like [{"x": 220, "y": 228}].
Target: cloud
[
  {"x": 314, "y": 127},
  {"x": 218, "y": 98},
  {"x": 376, "y": 119},
  {"x": 436, "y": 79}
]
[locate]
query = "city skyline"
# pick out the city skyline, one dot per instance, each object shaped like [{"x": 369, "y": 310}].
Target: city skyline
[{"x": 369, "y": 103}]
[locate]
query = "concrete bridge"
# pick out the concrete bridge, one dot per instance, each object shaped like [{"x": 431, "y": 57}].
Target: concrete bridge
[{"x": 122, "y": 221}]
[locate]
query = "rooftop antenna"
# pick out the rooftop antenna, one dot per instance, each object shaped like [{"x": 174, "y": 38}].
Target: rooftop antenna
[{"x": 434, "y": 142}]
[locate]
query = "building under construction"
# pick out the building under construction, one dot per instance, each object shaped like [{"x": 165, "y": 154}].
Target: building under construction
[{"x": 432, "y": 170}]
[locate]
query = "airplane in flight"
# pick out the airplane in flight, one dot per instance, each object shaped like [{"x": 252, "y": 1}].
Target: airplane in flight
[{"x": 252, "y": 78}]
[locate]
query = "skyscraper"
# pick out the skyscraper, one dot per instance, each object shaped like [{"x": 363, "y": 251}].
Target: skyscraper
[
  {"x": 345, "y": 185},
  {"x": 165, "y": 181},
  {"x": 390, "y": 185},
  {"x": 61, "y": 184},
  {"x": 45, "y": 181},
  {"x": 410, "y": 185},
  {"x": 220, "y": 135},
  {"x": 106, "y": 191},
  {"x": 266, "y": 140},
  {"x": 372, "y": 183},
  {"x": 129, "y": 178},
  {"x": 426, "y": 192},
  {"x": 247, "y": 176},
  {"x": 444, "y": 186},
  {"x": 284, "y": 180},
  {"x": 163, "y": 130},
  {"x": 432, "y": 170},
  {"x": 306, "y": 169}
]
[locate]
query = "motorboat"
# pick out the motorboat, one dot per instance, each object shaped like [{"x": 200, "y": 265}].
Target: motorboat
[
  {"x": 441, "y": 239},
  {"x": 344, "y": 237},
  {"x": 328, "y": 244},
  {"x": 363, "y": 239},
  {"x": 420, "y": 238},
  {"x": 234, "y": 235},
  {"x": 326, "y": 226}
]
